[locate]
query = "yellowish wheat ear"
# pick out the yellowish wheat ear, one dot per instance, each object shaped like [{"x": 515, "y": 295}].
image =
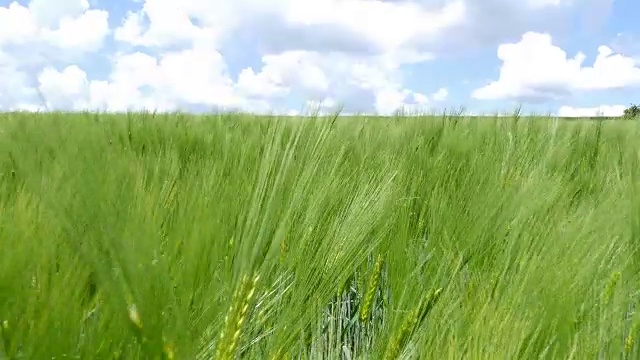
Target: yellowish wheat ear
[{"x": 236, "y": 317}]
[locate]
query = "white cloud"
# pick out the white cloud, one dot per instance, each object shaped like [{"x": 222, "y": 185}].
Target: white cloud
[
  {"x": 317, "y": 25},
  {"x": 84, "y": 32},
  {"x": 47, "y": 23},
  {"x": 345, "y": 25},
  {"x": 281, "y": 71},
  {"x": 172, "y": 54},
  {"x": 131, "y": 29},
  {"x": 602, "y": 110},
  {"x": 167, "y": 26},
  {"x": 33, "y": 37},
  {"x": 49, "y": 14},
  {"x": 268, "y": 82},
  {"x": 441, "y": 94},
  {"x": 534, "y": 69},
  {"x": 357, "y": 82},
  {"x": 397, "y": 23},
  {"x": 61, "y": 88},
  {"x": 71, "y": 89},
  {"x": 14, "y": 86},
  {"x": 199, "y": 76},
  {"x": 18, "y": 24},
  {"x": 195, "y": 76},
  {"x": 363, "y": 80},
  {"x": 326, "y": 49}
]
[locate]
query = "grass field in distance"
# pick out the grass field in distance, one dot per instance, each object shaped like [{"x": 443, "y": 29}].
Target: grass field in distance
[{"x": 141, "y": 236}]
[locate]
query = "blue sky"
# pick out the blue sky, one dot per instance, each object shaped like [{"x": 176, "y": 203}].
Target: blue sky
[{"x": 566, "y": 57}]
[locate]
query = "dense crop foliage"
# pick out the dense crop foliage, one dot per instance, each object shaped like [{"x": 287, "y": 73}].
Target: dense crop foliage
[{"x": 141, "y": 236}]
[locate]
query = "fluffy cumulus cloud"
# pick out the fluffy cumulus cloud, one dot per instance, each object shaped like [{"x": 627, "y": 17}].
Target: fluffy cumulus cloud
[
  {"x": 334, "y": 76},
  {"x": 170, "y": 55},
  {"x": 534, "y": 69},
  {"x": 65, "y": 25},
  {"x": 329, "y": 52},
  {"x": 42, "y": 33},
  {"x": 279, "y": 55},
  {"x": 141, "y": 81}
]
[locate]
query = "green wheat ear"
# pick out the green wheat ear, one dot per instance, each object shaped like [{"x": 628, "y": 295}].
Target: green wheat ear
[
  {"x": 613, "y": 281},
  {"x": 374, "y": 280},
  {"x": 4, "y": 331},
  {"x": 284, "y": 249},
  {"x": 411, "y": 323}
]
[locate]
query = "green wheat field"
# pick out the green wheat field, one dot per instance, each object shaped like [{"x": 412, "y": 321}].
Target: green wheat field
[{"x": 148, "y": 236}]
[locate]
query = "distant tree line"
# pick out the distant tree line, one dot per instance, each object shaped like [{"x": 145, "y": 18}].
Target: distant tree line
[{"x": 632, "y": 112}]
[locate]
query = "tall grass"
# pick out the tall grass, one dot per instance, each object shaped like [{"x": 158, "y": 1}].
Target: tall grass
[{"x": 176, "y": 237}]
